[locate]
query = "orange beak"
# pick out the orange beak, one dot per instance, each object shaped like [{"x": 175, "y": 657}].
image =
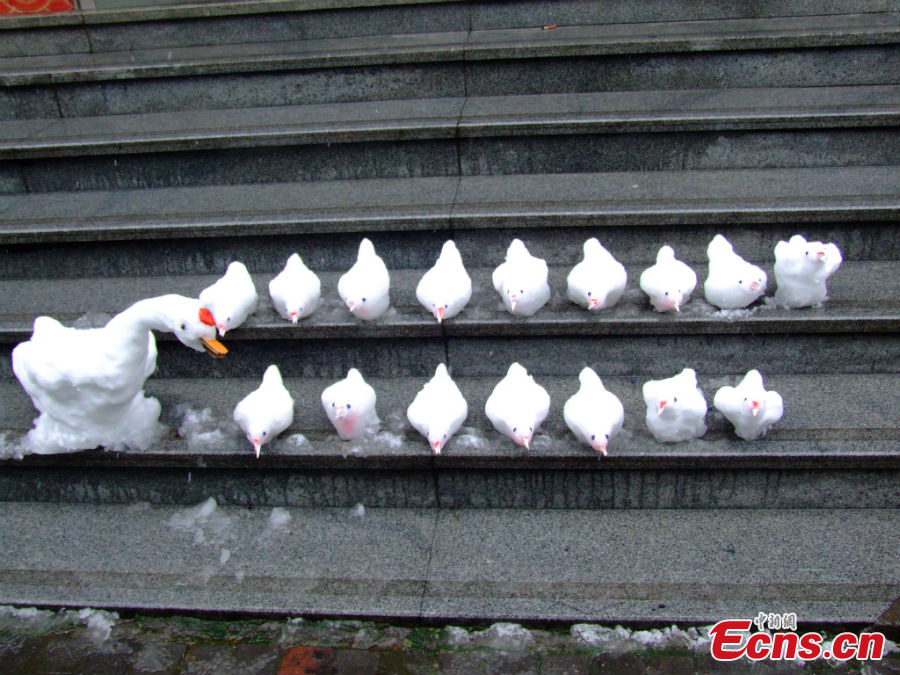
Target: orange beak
[{"x": 214, "y": 348}]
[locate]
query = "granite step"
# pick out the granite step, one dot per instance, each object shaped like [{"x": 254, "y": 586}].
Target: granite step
[
  {"x": 769, "y": 108},
  {"x": 854, "y": 49},
  {"x": 832, "y": 414},
  {"x": 737, "y": 197},
  {"x": 845, "y": 30},
  {"x": 560, "y": 133},
  {"x": 213, "y": 23},
  {"x": 864, "y": 296},
  {"x": 635, "y": 566}
]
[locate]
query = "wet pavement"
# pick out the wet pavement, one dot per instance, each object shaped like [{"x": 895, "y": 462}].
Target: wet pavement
[{"x": 42, "y": 642}]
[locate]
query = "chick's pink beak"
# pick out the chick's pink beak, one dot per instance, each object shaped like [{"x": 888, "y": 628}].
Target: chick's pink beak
[
  {"x": 601, "y": 448},
  {"x": 439, "y": 313},
  {"x": 437, "y": 447},
  {"x": 256, "y": 446},
  {"x": 662, "y": 405},
  {"x": 294, "y": 317},
  {"x": 754, "y": 408}
]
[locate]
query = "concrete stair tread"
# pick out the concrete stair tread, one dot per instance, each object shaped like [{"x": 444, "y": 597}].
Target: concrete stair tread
[
  {"x": 600, "y": 112},
  {"x": 478, "y": 45},
  {"x": 735, "y": 196},
  {"x": 656, "y": 566},
  {"x": 863, "y": 296},
  {"x": 843, "y": 421}
]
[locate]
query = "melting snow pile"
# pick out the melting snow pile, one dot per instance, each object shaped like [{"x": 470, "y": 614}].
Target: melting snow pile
[
  {"x": 10, "y": 449},
  {"x": 204, "y": 522},
  {"x": 202, "y": 431},
  {"x": 279, "y": 518},
  {"x": 97, "y": 624},
  {"x": 501, "y": 636},
  {"x": 621, "y": 640}
]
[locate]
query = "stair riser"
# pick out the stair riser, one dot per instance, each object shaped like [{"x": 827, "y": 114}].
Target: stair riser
[
  {"x": 410, "y": 18},
  {"x": 702, "y": 70},
  {"x": 654, "y": 356},
  {"x": 713, "y": 356},
  {"x": 601, "y": 489},
  {"x": 636, "y": 248},
  {"x": 491, "y": 156}
]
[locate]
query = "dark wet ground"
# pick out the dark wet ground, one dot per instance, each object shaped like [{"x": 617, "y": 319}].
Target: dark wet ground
[{"x": 40, "y": 642}]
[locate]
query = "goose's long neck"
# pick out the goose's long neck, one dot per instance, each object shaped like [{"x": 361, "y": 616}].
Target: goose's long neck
[{"x": 133, "y": 324}]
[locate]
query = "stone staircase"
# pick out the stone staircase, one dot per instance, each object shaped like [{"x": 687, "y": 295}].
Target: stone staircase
[{"x": 144, "y": 149}]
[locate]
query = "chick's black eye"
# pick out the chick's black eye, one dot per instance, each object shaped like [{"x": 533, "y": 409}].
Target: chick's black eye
[
  {"x": 364, "y": 299},
  {"x": 183, "y": 326},
  {"x": 348, "y": 406},
  {"x": 607, "y": 436},
  {"x": 675, "y": 399},
  {"x": 265, "y": 433},
  {"x": 514, "y": 429},
  {"x": 589, "y": 294},
  {"x": 593, "y": 437}
]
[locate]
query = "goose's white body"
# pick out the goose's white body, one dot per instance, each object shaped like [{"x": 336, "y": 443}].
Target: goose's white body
[
  {"x": 594, "y": 414},
  {"x": 350, "y": 406},
  {"x": 521, "y": 281},
  {"x": 676, "y": 408},
  {"x": 732, "y": 283},
  {"x": 88, "y": 383},
  {"x": 518, "y": 405},
  {"x": 749, "y": 407},
  {"x": 669, "y": 282},
  {"x": 438, "y": 410},
  {"x": 801, "y": 270},
  {"x": 295, "y": 291},
  {"x": 266, "y": 411},
  {"x": 445, "y": 289},
  {"x": 365, "y": 287},
  {"x": 598, "y": 281},
  {"x": 232, "y": 298}
]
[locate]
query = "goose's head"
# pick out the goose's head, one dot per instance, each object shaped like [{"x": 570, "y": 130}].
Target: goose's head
[{"x": 194, "y": 326}]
